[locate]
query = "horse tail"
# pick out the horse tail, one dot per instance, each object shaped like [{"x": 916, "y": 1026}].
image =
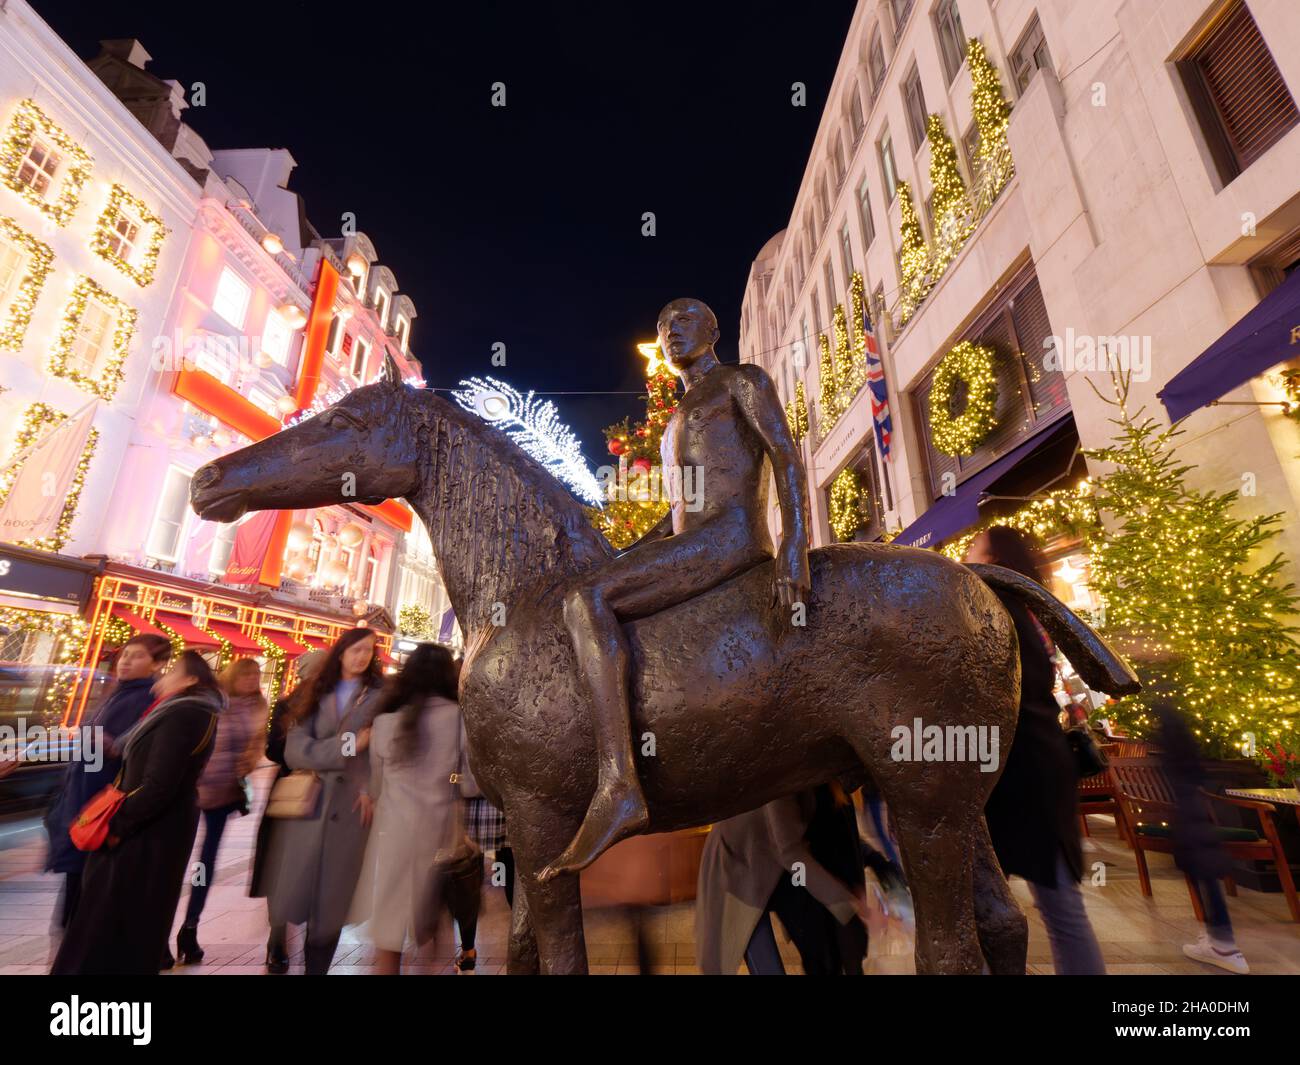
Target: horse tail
[{"x": 1101, "y": 668}]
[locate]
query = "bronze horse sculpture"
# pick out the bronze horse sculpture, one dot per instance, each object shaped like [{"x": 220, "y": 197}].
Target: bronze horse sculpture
[{"x": 732, "y": 706}]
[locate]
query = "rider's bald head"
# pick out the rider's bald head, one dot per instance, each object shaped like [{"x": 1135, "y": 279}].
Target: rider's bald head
[{"x": 688, "y": 329}]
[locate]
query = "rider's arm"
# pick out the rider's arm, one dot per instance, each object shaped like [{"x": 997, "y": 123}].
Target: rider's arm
[{"x": 756, "y": 396}]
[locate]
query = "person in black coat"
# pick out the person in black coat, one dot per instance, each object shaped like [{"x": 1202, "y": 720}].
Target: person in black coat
[
  {"x": 1033, "y": 813},
  {"x": 132, "y": 883},
  {"x": 277, "y": 948},
  {"x": 138, "y": 664}
]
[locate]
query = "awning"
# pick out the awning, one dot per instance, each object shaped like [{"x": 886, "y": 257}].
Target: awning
[
  {"x": 315, "y": 642},
  {"x": 282, "y": 641},
  {"x": 243, "y": 644},
  {"x": 137, "y": 622},
  {"x": 951, "y": 514},
  {"x": 1265, "y": 336},
  {"x": 187, "y": 630}
]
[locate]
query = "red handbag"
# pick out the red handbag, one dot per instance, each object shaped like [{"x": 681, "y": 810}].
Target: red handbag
[{"x": 90, "y": 829}]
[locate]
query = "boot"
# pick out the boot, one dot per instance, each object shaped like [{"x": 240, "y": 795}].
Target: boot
[
  {"x": 187, "y": 945},
  {"x": 277, "y": 954},
  {"x": 317, "y": 957}
]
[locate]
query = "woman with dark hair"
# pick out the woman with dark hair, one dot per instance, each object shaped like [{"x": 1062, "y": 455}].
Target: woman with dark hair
[
  {"x": 418, "y": 831},
  {"x": 138, "y": 663},
  {"x": 133, "y": 881},
  {"x": 236, "y": 752},
  {"x": 314, "y": 861},
  {"x": 1033, "y": 813}
]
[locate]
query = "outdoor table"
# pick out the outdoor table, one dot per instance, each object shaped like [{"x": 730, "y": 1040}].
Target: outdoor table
[{"x": 1281, "y": 796}]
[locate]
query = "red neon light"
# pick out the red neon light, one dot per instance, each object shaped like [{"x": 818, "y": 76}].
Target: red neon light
[
  {"x": 318, "y": 329},
  {"x": 222, "y": 401},
  {"x": 391, "y": 511}
]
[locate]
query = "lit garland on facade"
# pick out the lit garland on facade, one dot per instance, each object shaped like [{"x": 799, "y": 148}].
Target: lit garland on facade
[
  {"x": 845, "y": 504},
  {"x": 414, "y": 620},
  {"x": 953, "y": 221},
  {"x": 28, "y": 123},
  {"x": 992, "y": 114},
  {"x": 38, "y": 418},
  {"x": 275, "y": 654},
  {"x": 913, "y": 255},
  {"x": 124, "y": 206},
  {"x": 110, "y": 378},
  {"x": 1068, "y": 512},
  {"x": 115, "y": 631},
  {"x": 960, "y": 434},
  {"x": 69, "y": 632},
  {"x": 39, "y": 258},
  {"x": 174, "y": 637},
  {"x": 842, "y": 371},
  {"x": 796, "y": 413}
]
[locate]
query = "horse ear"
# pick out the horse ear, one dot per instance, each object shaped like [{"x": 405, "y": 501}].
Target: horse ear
[{"x": 390, "y": 375}]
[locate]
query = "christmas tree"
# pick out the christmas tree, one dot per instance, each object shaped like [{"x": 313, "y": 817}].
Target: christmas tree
[
  {"x": 1184, "y": 586},
  {"x": 636, "y": 500},
  {"x": 949, "y": 203},
  {"x": 913, "y": 255}
]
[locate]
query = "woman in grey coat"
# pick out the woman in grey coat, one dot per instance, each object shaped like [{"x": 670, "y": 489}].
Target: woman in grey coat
[{"x": 314, "y": 862}]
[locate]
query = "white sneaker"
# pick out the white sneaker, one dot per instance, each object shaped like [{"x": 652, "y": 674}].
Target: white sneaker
[{"x": 1205, "y": 951}]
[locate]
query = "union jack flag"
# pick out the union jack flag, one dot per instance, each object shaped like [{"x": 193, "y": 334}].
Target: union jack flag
[{"x": 880, "y": 417}]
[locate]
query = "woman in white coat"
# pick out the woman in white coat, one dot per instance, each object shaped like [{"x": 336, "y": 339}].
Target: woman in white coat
[{"x": 418, "y": 827}]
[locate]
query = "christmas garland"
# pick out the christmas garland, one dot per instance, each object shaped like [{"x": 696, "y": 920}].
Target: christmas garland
[
  {"x": 961, "y": 434},
  {"x": 845, "y": 508}
]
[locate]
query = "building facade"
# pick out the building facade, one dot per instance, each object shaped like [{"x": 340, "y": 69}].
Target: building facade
[
  {"x": 1141, "y": 198},
  {"x": 179, "y": 301}
]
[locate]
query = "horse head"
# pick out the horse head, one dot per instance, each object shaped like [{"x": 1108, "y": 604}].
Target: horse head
[{"x": 364, "y": 449}]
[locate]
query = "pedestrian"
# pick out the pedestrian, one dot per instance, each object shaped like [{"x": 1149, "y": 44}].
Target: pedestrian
[
  {"x": 1033, "y": 812},
  {"x": 315, "y": 860},
  {"x": 1198, "y": 852},
  {"x": 418, "y": 832},
  {"x": 277, "y": 946},
  {"x": 132, "y": 882},
  {"x": 762, "y": 862},
  {"x": 138, "y": 664},
  {"x": 236, "y": 751}
]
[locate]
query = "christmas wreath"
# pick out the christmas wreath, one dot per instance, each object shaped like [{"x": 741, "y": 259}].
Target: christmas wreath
[{"x": 960, "y": 434}]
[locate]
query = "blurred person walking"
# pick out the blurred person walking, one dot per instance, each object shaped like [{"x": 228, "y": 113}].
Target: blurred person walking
[
  {"x": 763, "y": 862},
  {"x": 132, "y": 882},
  {"x": 416, "y": 844},
  {"x": 236, "y": 752},
  {"x": 139, "y": 662},
  {"x": 277, "y": 946},
  {"x": 1033, "y": 812},
  {"x": 314, "y": 860},
  {"x": 1197, "y": 851}
]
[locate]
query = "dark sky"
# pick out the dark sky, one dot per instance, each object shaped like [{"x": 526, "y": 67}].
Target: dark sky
[{"x": 522, "y": 224}]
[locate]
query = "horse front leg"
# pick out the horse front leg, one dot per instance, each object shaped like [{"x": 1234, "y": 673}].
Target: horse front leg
[
  {"x": 523, "y": 958},
  {"x": 552, "y": 909}
]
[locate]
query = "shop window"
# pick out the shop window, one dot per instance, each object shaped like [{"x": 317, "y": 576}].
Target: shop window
[
  {"x": 886, "y": 147},
  {"x": 91, "y": 338},
  {"x": 864, "y": 213},
  {"x": 876, "y": 65},
  {"x": 169, "y": 519},
  {"x": 1030, "y": 55},
  {"x": 853, "y": 499},
  {"x": 952, "y": 39},
  {"x": 360, "y": 352},
  {"x": 1240, "y": 99},
  {"x": 231, "y": 300},
  {"x": 1029, "y": 394},
  {"x": 276, "y": 336},
  {"x": 914, "y": 105}
]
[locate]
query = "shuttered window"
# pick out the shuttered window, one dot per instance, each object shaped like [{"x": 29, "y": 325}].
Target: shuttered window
[
  {"x": 1243, "y": 105},
  {"x": 1029, "y": 395}
]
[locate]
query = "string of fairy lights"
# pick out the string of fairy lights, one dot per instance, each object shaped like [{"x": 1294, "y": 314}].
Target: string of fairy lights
[{"x": 972, "y": 365}]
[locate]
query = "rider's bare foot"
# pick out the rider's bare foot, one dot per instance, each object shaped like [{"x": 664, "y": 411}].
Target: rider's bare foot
[{"x": 617, "y": 810}]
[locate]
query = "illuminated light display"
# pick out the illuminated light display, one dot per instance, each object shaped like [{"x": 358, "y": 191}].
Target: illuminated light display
[
  {"x": 796, "y": 413},
  {"x": 106, "y": 383},
  {"x": 961, "y": 434},
  {"x": 122, "y": 218},
  {"x": 39, "y": 260},
  {"x": 37, "y": 419},
  {"x": 28, "y": 126}
]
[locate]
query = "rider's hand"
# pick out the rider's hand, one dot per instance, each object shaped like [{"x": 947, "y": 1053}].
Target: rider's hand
[{"x": 792, "y": 583}]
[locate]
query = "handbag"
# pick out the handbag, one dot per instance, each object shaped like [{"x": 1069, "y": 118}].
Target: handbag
[
  {"x": 463, "y": 780},
  {"x": 90, "y": 828},
  {"x": 1089, "y": 758},
  {"x": 295, "y": 796}
]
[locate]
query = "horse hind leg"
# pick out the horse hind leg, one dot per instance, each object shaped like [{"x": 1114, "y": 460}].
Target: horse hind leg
[
  {"x": 523, "y": 959},
  {"x": 1003, "y": 930},
  {"x": 550, "y": 936}
]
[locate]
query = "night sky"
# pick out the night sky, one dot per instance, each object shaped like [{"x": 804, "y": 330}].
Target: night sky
[{"x": 519, "y": 224}]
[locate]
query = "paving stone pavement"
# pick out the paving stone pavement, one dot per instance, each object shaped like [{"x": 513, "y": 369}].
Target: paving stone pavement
[{"x": 1137, "y": 935}]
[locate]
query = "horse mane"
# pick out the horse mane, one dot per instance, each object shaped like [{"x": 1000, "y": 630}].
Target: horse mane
[{"x": 497, "y": 519}]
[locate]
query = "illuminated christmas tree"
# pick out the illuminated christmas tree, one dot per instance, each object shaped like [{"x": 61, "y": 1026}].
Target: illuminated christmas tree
[
  {"x": 636, "y": 500},
  {"x": 949, "y": 203},
  {"x": 1183, "y": 578},
  {"x": 994, "y": 165},
  {"x": 913, "y": 256}
]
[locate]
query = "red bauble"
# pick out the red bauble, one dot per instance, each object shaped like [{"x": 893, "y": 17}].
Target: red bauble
[
  {"x": 642, "y": 464},
  {"x": 617, "y": 447},
  {"x": 643, "y": 432}
]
